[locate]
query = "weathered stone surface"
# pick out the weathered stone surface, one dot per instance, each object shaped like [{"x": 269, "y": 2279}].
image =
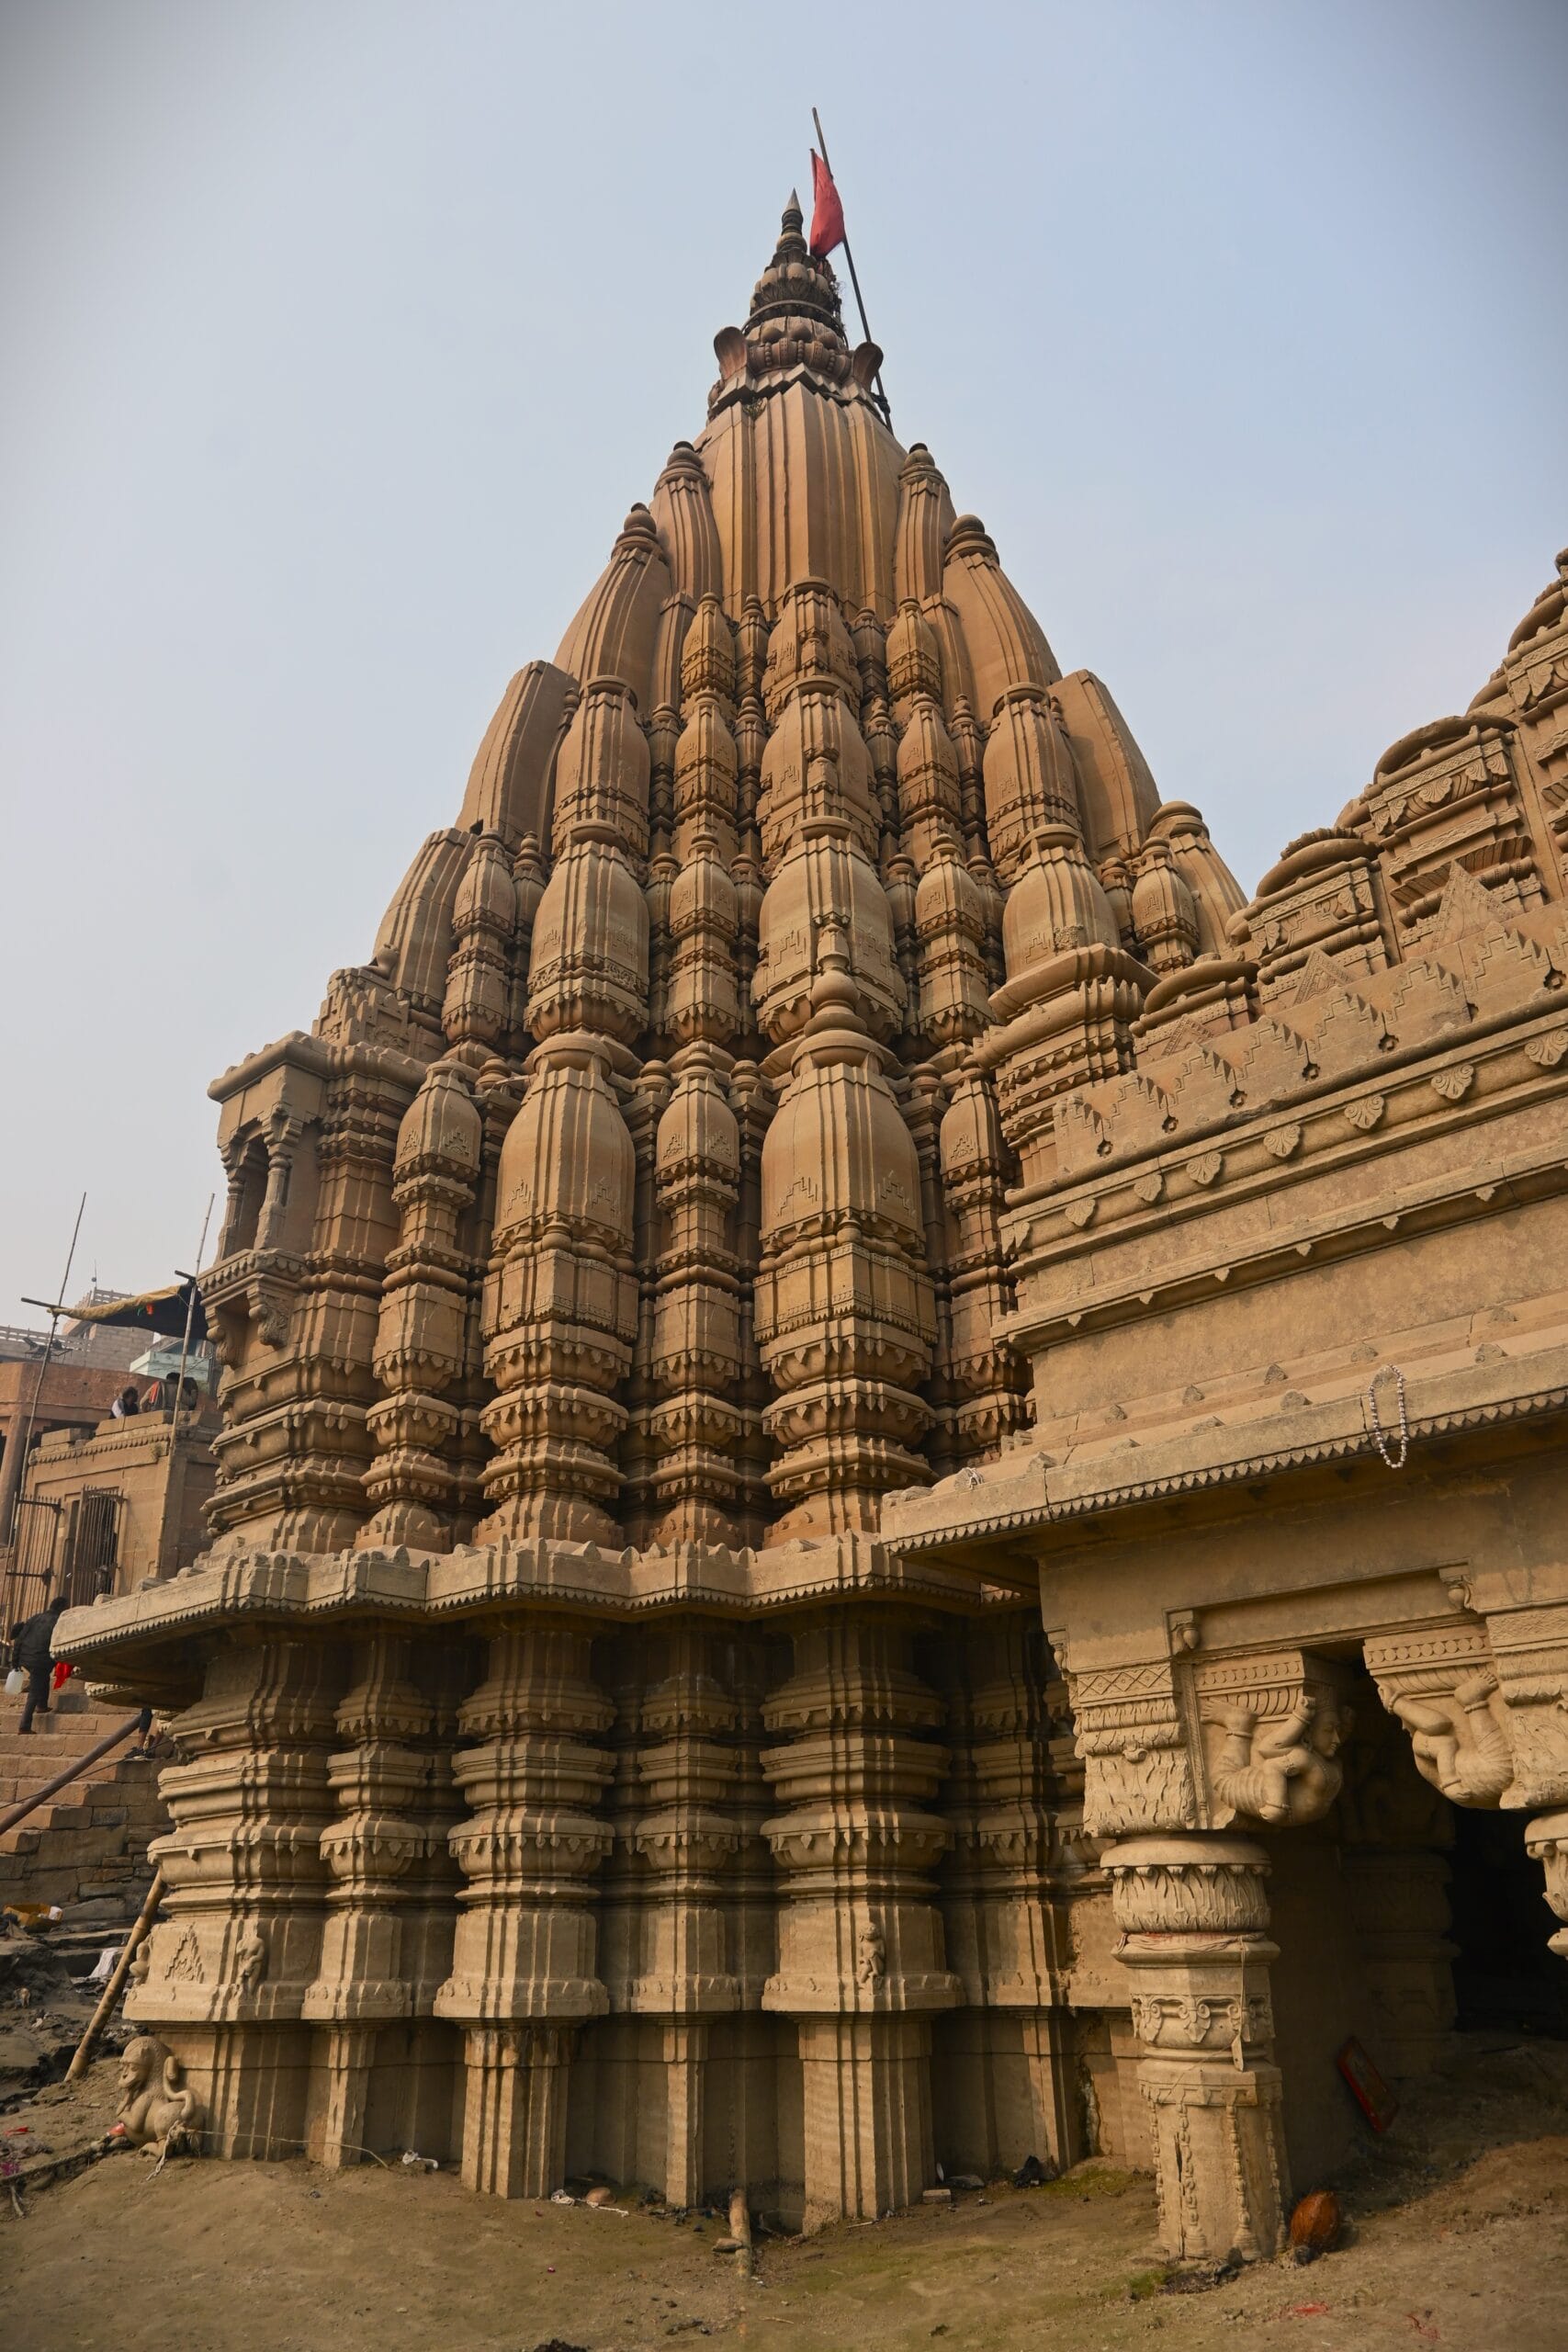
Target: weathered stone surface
[{"x": 822, "y": 1170}]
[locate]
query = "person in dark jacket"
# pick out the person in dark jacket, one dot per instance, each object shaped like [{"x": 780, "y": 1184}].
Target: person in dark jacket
[{"x": 32, "y": 1648}]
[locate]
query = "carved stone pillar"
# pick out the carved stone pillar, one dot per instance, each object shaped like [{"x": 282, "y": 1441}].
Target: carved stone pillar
[
  {"x": 1546, "y": 1841},
  {"x": 1394, "y": 1829},
  {"x": 861, "y": 1962},
  {"x": 1193, "y": 1914},
  {"x": 522, "y": 1962}
]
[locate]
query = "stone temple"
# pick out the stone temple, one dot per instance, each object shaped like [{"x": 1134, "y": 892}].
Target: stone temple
[{"x": 892, "y": 1489}]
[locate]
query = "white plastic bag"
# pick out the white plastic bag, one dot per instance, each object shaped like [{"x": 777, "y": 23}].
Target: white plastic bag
[{"x": 16, "y": 1683}]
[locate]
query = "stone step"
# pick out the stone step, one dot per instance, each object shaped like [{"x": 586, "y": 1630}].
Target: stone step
[
  {"x": 20, "y": 1781},
  {"x": 48, "y": 1738}
]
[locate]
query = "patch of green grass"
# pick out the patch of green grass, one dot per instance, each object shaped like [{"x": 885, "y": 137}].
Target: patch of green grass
[
  {"x": 1088, "y": 2181},
  {"x": 1145, "y": 2283}
]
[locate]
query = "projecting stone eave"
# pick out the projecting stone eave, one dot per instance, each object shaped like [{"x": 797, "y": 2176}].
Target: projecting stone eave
[{"x": 975, "y": 1520}]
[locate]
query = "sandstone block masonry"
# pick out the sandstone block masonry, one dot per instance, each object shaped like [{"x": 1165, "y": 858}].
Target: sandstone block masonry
[{"x": 822, "y": 1183}]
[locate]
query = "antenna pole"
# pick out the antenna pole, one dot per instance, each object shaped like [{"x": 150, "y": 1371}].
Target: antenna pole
[
  {"x": 854, "y": 281},
  {"x": 179, "y": 1391},
  {"x": 55, "y": 1313}
]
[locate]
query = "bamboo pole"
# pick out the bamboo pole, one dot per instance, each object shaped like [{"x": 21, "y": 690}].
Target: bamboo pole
[{"x": 121, "y": 1969}]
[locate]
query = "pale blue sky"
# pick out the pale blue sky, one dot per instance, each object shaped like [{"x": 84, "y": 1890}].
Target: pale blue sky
[{"x": 339, "y": 334}]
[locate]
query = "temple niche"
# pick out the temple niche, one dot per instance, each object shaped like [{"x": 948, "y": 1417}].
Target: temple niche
[{"x": 801, "y": 1585}]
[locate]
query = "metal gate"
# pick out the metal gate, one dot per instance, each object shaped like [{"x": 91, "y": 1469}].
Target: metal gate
[
  {"x": 71, "y": 1548},
  {"x": 91, "y": 1544},
  {"x": 29, "y": 1560}
]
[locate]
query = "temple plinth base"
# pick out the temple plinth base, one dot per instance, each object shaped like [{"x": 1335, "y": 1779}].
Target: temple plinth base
[
  {"x": 514, "y": 2113},
  {"x": 866, "y": 2083}
]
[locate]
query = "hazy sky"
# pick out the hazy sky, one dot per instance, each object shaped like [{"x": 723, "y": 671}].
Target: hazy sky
[{"x": 338, "y": 338}]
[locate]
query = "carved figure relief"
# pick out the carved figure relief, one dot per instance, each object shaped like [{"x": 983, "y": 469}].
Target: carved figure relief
[
  {"x": 1457, "y": 1741},
  {"x": 157, "y": 2106},
  {"x": 1279, "y": 1772}
]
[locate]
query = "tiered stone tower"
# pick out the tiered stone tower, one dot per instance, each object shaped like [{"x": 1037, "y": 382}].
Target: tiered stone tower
[
  {"x": 697, "y": 1184},
  {"x": 625, "y": 1230}
]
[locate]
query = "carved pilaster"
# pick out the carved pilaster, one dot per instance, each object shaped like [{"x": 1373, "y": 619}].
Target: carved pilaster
[
  {"x": 231, "y": 1962},
  {"x": 523, "y": 1963},
  {"x": 380, "y": 1782},
  {"x": 861, "y": 1962},
  {"x": 560, "y": 1307},
  {"x": 845, "y": 1318},
  {"x": 420, "y": 1334},
  {"x": 685, "y": 1839},
  {"x": 695, "y": 1423},
  {"x": 1005, "y": 1923}
]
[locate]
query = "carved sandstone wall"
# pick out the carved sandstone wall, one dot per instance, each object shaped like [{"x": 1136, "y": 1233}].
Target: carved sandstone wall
[{"x": 813, "y": 1032}]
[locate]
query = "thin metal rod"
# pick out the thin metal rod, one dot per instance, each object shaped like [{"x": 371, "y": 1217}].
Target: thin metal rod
[
  {"x": 190, "y": 1318},
  {"x": 854, "y": 281},
  {"x": 179, "y": 1388},
  {"x": 54, "y": 1315}
]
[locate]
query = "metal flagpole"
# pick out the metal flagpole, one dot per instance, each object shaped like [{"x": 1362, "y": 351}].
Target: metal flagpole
[
  {"x": 854, "y": 281},
  {"x": 54, "y": 1315}
]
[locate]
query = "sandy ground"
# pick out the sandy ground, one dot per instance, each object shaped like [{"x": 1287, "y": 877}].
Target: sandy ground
[{"x": 1457, "y": 2230}]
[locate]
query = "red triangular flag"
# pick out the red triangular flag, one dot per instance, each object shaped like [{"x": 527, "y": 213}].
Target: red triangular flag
[{"x": 826, "y": 213}]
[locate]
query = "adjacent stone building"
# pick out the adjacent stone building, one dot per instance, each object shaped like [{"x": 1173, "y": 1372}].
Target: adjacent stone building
[{"x": 862, "y": 1414}]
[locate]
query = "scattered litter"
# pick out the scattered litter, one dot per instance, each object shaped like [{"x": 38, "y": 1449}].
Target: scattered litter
[
  {"x": 936, "y": 2196},
  {"x": 1033, "y": 2174},
  {"x": 1314, "y": 2224},
  {"x": 966, "y": 2180},
  {"x": 561, "y": 2197},
  {"x": 414, "y": 2162},
  {"x": 1306, "y": 2311},
  {"x": 103, "y": 1968},
  {"x": 1377, "y": 2102},
  {"x": 600, "y": 2196}
]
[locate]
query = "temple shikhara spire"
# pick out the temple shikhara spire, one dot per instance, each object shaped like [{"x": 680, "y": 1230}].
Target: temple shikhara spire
[{"x": 796, "y": 1538}]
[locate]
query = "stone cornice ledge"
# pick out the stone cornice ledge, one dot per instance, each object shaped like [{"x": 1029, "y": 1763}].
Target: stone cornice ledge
[
  {"x": 1028, "y": 1490},
  {"x": 241, "y": 1588}
]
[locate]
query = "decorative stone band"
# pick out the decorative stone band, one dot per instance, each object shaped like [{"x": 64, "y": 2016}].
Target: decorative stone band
[{"x": 1204, "y": 1886}]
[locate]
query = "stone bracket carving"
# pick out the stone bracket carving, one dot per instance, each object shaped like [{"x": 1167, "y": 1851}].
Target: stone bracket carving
[
  {"x": 1269, "y": 1731},
  {"x": 1442, "y": 1686}
]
